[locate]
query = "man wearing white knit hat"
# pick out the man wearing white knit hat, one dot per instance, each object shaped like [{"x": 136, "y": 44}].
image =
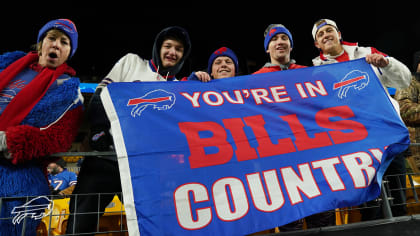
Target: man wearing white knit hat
[
  {"x": 391, "y": 73},
  {"x": 328, "y": 39}
]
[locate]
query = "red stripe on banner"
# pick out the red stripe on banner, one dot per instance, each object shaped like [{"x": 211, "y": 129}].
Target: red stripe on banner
[
  {"x": 347, "y": 82},
  {"x": 136, "y": 101}
]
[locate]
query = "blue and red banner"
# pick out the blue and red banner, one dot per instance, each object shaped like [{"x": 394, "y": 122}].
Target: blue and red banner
[{"x": 244, "y": 154}]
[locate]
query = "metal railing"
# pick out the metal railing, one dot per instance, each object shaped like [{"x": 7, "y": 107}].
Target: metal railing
[{"x": 112, "y": 220}]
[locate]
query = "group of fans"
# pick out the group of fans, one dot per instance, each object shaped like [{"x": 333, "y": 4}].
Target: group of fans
[{"x": 32, "y": 129}]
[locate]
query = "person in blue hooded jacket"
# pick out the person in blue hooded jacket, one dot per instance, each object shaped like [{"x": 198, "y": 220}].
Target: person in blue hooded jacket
[{"x": 100, "y": 174}]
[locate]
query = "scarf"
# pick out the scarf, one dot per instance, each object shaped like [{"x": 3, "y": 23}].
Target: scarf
[{"x": 20, "y": 106}]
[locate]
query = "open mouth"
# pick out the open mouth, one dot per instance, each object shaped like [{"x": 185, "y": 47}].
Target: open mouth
[{"x": 52, "y": 55}]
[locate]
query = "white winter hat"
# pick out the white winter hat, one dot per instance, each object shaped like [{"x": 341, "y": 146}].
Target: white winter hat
[{"x": 321, "y": 23}]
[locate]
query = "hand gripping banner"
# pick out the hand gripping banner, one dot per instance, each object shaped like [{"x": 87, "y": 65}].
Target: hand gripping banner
[{"x": 240, "y": 155}]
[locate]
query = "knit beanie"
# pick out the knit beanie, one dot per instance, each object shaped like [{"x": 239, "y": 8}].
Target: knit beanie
[
  {"x": 223, "y": 51},
  {"x": 65, "y": 25},
  {"x": 274, "y": 29}
]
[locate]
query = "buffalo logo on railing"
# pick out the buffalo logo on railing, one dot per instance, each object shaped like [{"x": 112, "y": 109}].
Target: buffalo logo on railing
[
  {"x": 35, "y": 208},
  {"x": 157, "y": 99},
  {"x": 355, "y": 79}
]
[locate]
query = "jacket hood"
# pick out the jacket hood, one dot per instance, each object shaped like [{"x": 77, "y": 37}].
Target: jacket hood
[{"x": 179, "y": 33}]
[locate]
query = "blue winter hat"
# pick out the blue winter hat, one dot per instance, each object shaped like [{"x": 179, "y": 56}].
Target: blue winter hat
[
  {"x": 223, "y": 51},
  {"x": 276, "y": 29},
  {"x": 65, "y": 25}
]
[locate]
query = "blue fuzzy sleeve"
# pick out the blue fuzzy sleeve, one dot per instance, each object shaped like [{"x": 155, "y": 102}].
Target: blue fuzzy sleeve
[
  {"x": 9, "y": 57},
  {"x": 54, "y": 103}
]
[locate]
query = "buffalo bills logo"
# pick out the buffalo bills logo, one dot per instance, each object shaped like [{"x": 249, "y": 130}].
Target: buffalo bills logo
[
  {"x": 68, "y": 25},
  {"x": 220, "y": 51},
  {"x": 35, "y": 208},
  {"x": 355, "y": 79},
  {"x": 97, "y": 136},
  {"x": 12, "y": 89},
  {"x": 272, "y": 31},
  {"x": 157, "y": 99},
  {"x": 7, "y": 95}
]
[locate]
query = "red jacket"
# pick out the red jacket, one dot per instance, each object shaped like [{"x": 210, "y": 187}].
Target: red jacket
[{"x": 273, "y": 68}]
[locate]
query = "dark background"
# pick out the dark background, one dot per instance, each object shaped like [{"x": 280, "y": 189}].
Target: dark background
[{"x": 106, "y": 33}]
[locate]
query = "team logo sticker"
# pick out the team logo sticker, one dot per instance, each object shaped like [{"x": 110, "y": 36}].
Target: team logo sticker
[
  {"x": 355, "y": 79},
  {"x": 36, "y": 209},
  {"x": 158, "y": 99}
]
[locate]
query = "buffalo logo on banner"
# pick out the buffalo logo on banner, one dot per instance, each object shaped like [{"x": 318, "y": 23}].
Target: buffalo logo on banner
[
  {"x": 157, "y": 99},
  {"x": 355, "y": 79}
]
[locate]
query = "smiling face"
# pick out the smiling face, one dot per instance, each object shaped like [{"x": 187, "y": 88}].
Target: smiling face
[
  {"x": 223, "y": 67},
  {"x": 327, "y": 39},
  {"x": 171, "y": 52},
  {"x": 54, "y": 49},
  {"x": 279, "y": 49}
]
